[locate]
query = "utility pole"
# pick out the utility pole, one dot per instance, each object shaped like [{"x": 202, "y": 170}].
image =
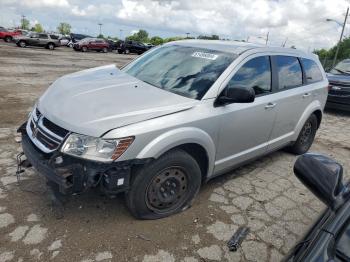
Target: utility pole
[
  {"x": 121, "y": 33},
  {"x": 100, "y": 28},
  {"x": 267, "y": 37},
  {"x": 341, "y": 36},
  {"x": 22, "y": 21}
]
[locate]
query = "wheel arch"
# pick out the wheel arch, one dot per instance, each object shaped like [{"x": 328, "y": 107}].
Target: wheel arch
[
  {"x": 313, "y": 108},
  {"x": 194, "y": 141}
]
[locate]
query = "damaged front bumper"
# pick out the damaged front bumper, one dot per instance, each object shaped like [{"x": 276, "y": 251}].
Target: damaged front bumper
[{"x": 75, "y": 175}]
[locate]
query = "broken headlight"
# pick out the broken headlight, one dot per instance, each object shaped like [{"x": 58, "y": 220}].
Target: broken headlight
[{"x": 96, "y": 148}]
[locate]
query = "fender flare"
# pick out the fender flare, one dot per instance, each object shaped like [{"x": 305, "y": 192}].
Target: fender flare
[
  {"x": 178, "y": 137},
  {"x": 312, "y": 107}
]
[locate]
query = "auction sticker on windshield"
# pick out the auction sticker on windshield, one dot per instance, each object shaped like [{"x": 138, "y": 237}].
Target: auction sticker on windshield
[{"x": 205, "y": 55}]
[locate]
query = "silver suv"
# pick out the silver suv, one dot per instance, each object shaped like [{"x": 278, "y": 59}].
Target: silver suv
[
  {"x": 174, "y": 118},
  {"x": 49, "y": 41}
]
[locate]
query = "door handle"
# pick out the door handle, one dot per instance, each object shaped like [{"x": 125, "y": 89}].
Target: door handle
[
  {"x": 306, "y": 95},
  {"x": 270, "y": 105}
]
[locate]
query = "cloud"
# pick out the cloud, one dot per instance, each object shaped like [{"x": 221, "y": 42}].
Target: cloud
[{"x": 303, "y": 22}]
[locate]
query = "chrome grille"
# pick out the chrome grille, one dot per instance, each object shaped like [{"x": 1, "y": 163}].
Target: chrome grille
[{"x": 46, "y": 135}]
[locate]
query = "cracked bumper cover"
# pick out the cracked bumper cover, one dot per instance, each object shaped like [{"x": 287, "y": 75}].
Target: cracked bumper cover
[{"x": 74, "y": 175}]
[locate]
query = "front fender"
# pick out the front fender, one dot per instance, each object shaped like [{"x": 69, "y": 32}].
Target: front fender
[
  {"x": 177, "y": 137},
  {"x": 312, "y": 107}
]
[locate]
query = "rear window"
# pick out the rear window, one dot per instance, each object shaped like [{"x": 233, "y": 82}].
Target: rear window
[
  {"x": 289, "y": 72},
  {"x": 312, "y": 71}
]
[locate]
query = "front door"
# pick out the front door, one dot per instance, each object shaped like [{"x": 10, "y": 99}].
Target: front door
[{"x": 245, "y": 128}]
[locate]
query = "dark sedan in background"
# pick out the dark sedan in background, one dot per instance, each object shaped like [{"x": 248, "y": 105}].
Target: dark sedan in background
[{"x": 339, "y": 86}]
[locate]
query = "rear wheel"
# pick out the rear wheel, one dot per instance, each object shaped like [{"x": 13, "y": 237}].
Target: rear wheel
[
  {"x": 51, "y": 46},
  {"x": 22, "y": 44},
  {"x": 8, "y": 39},
  {"x": 84, "y": 49},
  {"x": 104, "y": 50},
  {"x": 164, "y": 187},
  {"x": 306, "y": 136}
]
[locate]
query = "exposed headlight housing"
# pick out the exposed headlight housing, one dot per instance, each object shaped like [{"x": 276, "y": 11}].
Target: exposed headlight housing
[{"x": 95, "y": 148}]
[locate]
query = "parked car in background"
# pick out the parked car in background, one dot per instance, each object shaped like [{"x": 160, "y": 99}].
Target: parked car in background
[
  {"x": 148, "y": 45},
  {"x": 76, "y": 38},
  {"x": 126, "y": 47},
  {"x": 113, "y": 45},
  {"x": 173, "y": 118},
  {"x": 64, "y": 40},
  {"x": 339, "y": 86},
  {"x": 8, "y": 35},
  {"x": 329, "y": 238},
  {"x": 91, "y": 44},
  {"x": 49, "y": 41}
]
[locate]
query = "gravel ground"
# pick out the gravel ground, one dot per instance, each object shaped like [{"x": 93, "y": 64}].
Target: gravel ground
[{"x": 264, "y": 195}]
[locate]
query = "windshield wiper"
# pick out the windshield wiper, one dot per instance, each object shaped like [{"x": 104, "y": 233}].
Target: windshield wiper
[{"x": 341, "y": 71}]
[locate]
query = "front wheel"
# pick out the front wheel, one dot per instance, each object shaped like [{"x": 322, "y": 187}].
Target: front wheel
[
  {"x": 8, "y": 39},
  {"x": 165, "y": 186},
  {"x": 22, "y": 44},
  {"x": 84, "y": 49},
  {"x": 127, "y": 51},
  {"x": 306, "y": 136}
]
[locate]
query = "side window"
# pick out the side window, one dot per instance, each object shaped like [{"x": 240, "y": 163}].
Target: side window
[
  {"x": 55, "y": 37},
  {"x": 256, "y": 73},
  {"x": 312, "y": 71},
  {"x": 43, "y": 36},
  {"x": 289, "y": 72}
]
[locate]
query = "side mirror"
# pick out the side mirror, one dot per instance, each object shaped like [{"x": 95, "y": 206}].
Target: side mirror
[
  {"x": 323, "y": 177},
  {"x": 236, "y": 95}
]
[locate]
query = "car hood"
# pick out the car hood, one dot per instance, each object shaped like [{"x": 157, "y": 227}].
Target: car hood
[
  {"x": 97, "y": 100},
  {"x": 341, "y": 79}
]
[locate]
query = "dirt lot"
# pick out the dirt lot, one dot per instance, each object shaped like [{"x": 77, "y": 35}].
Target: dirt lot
[{"x": 264, "y": 195}]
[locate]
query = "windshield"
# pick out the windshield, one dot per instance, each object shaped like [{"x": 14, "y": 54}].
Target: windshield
[
  {"x": 342, "y": 67},
  {"x": 187, "y": 71}
]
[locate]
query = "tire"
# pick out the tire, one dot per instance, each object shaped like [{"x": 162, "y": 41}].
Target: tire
[
  {"x": 165, "y": 186},
  {"x": 306, "y": 136},
  {"x": 50, "y": 46},
  {"x": 127, "y": 51},
  {"x": 120, "y": 51},
  {"x": 105, "y": 50},
  {"x": 8, "y": 39},
  {"x": 84, "y": 49},
  {"x": 70, "y": 45},
  {"x": 22, "y": 44}
]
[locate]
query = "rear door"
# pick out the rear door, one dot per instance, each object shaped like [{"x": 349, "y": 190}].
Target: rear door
[
  {"x": 43, "y": 39},
  {"x": 245, "y": 128},
  {"x": 291, "y": 98}
]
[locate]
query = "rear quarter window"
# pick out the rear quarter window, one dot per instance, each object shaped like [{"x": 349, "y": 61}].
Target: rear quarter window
[
  {"x": 289, "y": 72},
  {"x": 313, "y": 73}
]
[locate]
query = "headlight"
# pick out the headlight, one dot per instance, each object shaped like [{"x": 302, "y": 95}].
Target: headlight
[{"x": 96, "y": 148}]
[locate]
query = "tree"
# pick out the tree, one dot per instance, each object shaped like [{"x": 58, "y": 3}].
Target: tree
[
  {"x": 38, "y": 28},
  {"x": 25, "y": 24},
  {"x": 100, "y": 36},
  {"x": 64, "y": 28},
  {"x": 212, "y": 37},
  {"x": 140, "y": 36},
  {"x": 156, "y": 40}
]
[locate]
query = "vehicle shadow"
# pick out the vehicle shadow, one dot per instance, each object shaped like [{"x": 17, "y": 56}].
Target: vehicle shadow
[{"x": 336, "y": 112}]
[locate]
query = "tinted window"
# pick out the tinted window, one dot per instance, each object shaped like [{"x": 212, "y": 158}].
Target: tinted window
[
  {"x": 312, "y": 71},
  {"x": 187, "y": 71},
  {"x": 255, "y": 73},
  {"x": 43, "y": 36},
  {"x": 289, "y": 72},
  {"x": 54, "y": 37}
]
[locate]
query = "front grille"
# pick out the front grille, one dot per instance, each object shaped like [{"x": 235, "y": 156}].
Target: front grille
[
  {"x": 45, "y": 134},
  {"x": 54, "y": 128}
]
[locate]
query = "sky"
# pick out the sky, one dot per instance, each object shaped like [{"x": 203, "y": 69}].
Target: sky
[{"x": 301, "y": 23}]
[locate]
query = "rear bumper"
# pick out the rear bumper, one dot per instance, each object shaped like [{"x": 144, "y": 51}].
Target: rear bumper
[{"x": 74, "y": 175}]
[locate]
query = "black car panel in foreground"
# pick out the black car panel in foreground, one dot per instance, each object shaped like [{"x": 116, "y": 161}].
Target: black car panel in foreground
[
  {"x": 329, "y": 237},
  {"x": 339, "y": 86}
]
